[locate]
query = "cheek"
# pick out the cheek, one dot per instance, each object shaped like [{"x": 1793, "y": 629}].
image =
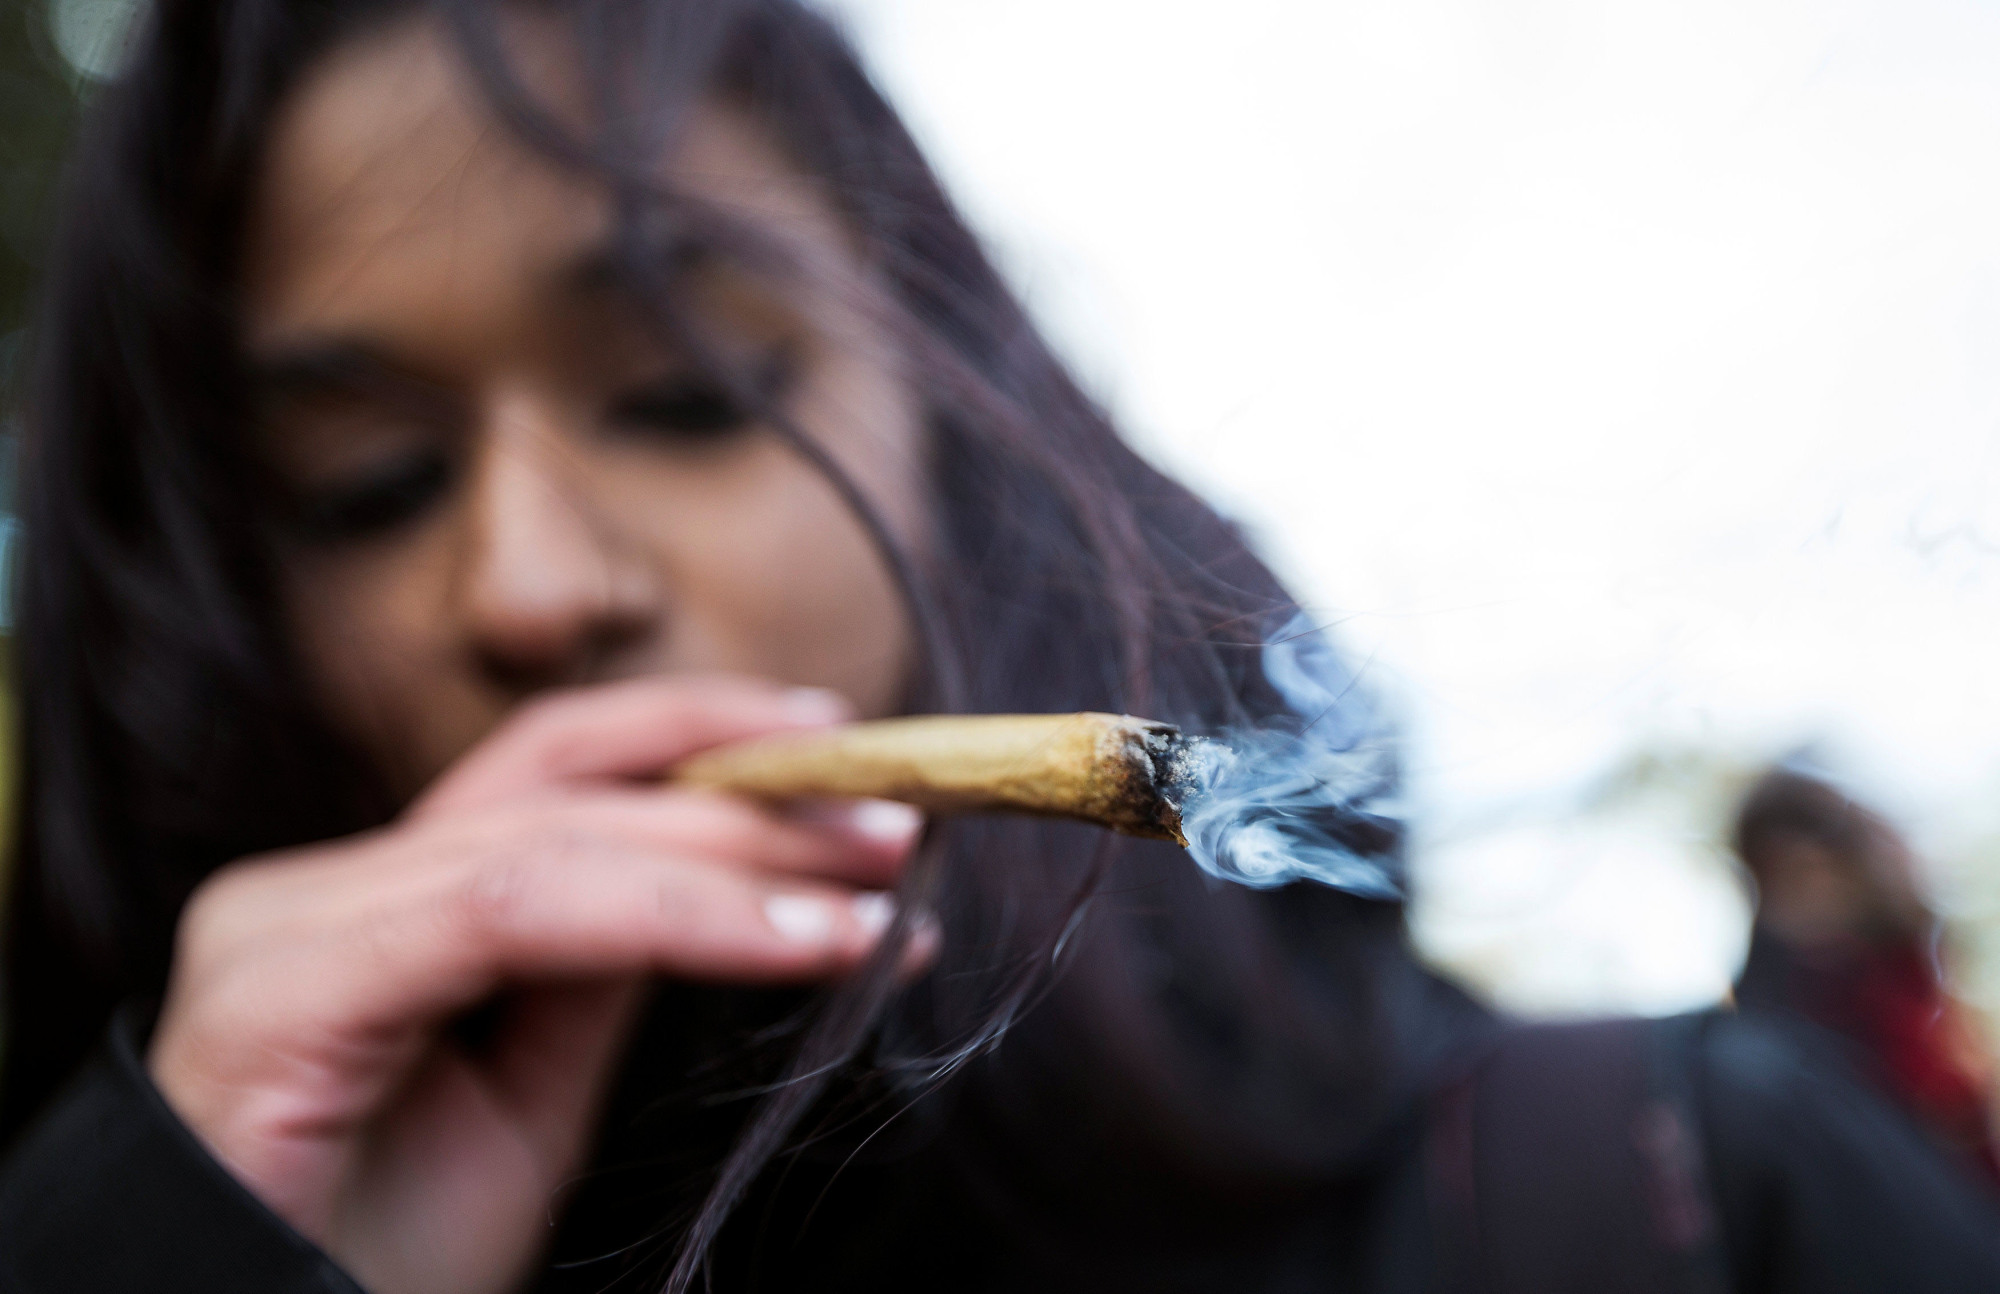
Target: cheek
[
  {"x": 387, "y": 668},
  {"x": 770, "y": 574},
  {"x": 768, "y": 571}
]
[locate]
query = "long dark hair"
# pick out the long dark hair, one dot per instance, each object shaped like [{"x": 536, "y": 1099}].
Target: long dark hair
[{"x": 1233, "y": 1042}]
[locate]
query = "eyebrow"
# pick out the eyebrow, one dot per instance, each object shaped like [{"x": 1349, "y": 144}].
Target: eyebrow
[
  {"x": 338, "y": 366},
  {"x": 606, "y": 267}
]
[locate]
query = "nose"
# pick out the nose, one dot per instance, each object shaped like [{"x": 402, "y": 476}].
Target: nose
[{"x": 547, "y": 588}]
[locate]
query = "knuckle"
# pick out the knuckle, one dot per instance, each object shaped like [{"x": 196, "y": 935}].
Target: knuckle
[
  {"x": 198, "y": 914},
  {"x": 534, "y": 724},
  {"x": 553, "y": 736},
  {"x": 493, "y": 897},
  {"x": 208, "y": 913},
  {"x": 500, "y": 892},
  {"x": 690, "y": 922},
  {"x": 675, "y": 910},
  {"x": 539, "y": 712}
]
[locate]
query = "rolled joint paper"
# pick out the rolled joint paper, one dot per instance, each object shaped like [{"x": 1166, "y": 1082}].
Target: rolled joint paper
[{"x": 1131, "y": 775}]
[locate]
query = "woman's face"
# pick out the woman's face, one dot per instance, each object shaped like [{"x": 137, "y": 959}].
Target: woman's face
[{"x": 496, "y": 478}]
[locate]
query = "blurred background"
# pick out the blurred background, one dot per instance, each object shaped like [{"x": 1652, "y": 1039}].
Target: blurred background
[{"x": 1622, "y": 380}]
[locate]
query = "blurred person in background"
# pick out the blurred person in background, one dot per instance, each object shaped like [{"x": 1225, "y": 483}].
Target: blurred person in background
[
  {"x": 1844, "y": 940},
  {"x": 446, "y": 417}
]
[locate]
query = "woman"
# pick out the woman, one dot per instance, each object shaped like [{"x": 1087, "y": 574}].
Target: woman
[
  {"x": 449, "y": 416},
  {"x": 1844, "y": 940}
]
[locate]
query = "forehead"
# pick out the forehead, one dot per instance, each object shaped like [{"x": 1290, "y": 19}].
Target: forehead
[{"x": 390, "y": 191}]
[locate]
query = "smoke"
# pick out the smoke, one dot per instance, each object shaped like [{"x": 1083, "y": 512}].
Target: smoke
[{"x": 1309, "y": 793}]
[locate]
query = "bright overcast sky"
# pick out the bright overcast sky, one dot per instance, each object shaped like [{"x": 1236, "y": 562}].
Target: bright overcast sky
[{"x": 1619, "y": 376}]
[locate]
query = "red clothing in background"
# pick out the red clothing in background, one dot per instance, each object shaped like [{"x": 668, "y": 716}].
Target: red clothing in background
[{"x": 1907, "y": 1033}]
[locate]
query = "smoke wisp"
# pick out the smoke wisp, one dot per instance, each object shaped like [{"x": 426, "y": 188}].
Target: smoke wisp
[{"x": 1307, "y": 795}]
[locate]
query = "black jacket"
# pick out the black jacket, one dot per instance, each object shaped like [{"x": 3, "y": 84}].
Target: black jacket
[{"x": 1698, "y": 1155}]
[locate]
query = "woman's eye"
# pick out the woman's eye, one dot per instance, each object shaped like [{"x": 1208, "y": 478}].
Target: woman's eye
[
  {"x": 691, "y": 409},
  {"x": 695, "y": 409},
  {"x": 384, "y": 498}
]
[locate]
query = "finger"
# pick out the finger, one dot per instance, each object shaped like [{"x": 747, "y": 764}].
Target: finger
[
  {"x": 635, "y": 728},
  {"x": 593, "y": 913},
  {"x": 284, "y": 899},
  {"x": 864, "y": 843}
]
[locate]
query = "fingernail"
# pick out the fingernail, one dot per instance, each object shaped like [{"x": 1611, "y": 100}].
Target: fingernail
[
  {"x": 817, "y": 705},
  {"x": 800, "y": 919},
  {"x": 885, "y": 821},
  {"x": 873, "y": 912}
]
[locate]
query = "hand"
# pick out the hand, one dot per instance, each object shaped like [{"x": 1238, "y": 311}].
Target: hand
[{"x": 304, "y": 1035}]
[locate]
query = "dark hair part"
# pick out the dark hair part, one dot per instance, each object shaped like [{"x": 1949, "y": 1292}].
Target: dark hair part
[
  {"x": 1786, "y": 804},
  {"x": 1240, "y": 1041}
]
